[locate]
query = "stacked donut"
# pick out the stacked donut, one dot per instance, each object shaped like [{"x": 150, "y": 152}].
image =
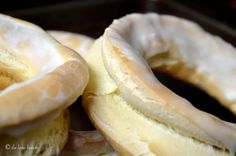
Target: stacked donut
[{"x": 126, "y": 103}]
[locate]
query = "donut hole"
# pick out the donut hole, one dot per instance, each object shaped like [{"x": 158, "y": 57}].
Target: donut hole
[
  {"x": 196, "y": 96},
  {"x": 78, "y": 115}
]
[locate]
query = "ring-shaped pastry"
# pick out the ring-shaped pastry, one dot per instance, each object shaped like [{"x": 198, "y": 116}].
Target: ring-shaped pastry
[
  {"x": 139, "y": 115},
  {"x": 39, "y": 79}
]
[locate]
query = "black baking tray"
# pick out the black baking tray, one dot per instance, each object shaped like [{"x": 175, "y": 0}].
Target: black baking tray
[{"x": 91, "y": 17}]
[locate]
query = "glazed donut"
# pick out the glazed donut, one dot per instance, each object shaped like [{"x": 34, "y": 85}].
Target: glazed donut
[
  {"x": 39, "y": 79},
  {"x": 139, "y": 115},
  {"x": 82, "y": 142}
]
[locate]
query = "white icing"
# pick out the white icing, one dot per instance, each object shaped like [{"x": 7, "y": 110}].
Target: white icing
[{"x": 31, "y": 43}]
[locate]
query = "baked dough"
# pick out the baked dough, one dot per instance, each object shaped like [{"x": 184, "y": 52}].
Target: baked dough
[
  {"x": 82, "y": 142},
  {"x": 47, "y": 139},
  {"x": 140, "y": 116},
  {"x": 39, "y": 79}
]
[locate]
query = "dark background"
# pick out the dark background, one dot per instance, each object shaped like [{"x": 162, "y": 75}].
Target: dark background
[{"x": 91, "y": 17}]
